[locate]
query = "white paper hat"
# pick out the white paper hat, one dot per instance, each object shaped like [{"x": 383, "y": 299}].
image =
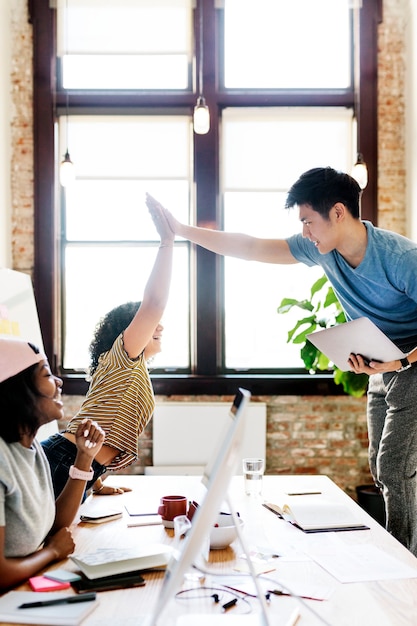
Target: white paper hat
[{"x": 17, "y": 355}]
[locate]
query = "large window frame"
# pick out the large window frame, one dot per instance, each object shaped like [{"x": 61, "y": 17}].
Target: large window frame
[{"x": 47, "y": 98}]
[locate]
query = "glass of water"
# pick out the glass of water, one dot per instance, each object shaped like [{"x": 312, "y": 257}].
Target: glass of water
[{"x": 253, "y": 470}]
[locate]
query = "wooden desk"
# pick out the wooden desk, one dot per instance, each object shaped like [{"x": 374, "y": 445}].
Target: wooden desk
[{"x": 383, "y": 603}]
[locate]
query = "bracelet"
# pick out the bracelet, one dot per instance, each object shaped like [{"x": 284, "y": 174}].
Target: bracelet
[
  {"x": 78, "y": 474},
  {"x": 99, "y": 489},
  {"x": 166, "y": 245}
]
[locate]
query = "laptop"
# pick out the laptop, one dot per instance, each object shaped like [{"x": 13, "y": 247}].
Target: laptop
[
  {"x": 217, "y": 475},
  {"x": 360, "y": 336}
]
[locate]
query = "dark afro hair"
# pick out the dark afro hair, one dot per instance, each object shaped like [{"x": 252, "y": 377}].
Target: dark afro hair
[{"x": 108, "y": 328}]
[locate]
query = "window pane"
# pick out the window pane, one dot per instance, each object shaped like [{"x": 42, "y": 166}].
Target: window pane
[
  {"x": 126, "y": 72},
  {"x": 99, "y": 278},
  {"x": 262, "y": 156},
  {"x": 99, "y": 210},
  {"x": 138, "y": 147},
  {"x": 269, "y": 148},
  {"x": 282, "y": 44},
  {"x": 124, "y": 44},
  {"x": 118, "y": 159}
]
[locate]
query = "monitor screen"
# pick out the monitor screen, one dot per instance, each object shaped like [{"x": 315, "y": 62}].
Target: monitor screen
[{"x": 217, "y": 475}]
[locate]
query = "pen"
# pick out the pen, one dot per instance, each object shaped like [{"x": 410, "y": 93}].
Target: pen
[
  {"x": 305, "y": 493},
  {"x": 85, "y": 597},
  {"x": 143, "y": 514},
  {"x": 229, "y": 604},
  {"x": 278, "y": 592}
]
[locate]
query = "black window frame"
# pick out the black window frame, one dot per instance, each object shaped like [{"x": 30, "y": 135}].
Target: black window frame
[{"x": 48, "y": 98}]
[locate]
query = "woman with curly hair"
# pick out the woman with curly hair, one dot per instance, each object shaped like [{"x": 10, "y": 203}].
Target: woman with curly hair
[
  {"x": 120, "y": 397},
  {"x": 34, "y": 529}
]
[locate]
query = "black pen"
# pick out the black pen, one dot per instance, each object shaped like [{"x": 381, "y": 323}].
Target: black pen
[
  {"x": 229, "y": 604},
  {"x": 141, "y": 514},
  {"x": 304, "y": 493},
  {"x": 85, "y": 597}
]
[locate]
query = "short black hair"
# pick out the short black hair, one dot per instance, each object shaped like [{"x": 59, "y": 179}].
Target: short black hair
[
  {"x": 19, "y": 406},
  {"x": 322, "y": 187},
  {"x": 108, "y": 328}
]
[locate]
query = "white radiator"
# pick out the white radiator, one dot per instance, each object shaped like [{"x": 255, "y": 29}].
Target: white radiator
[{"x": 185, "y": 434}]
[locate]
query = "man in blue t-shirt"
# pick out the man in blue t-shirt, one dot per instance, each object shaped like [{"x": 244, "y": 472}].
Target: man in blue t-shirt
[{"x": 374, "y": 274}]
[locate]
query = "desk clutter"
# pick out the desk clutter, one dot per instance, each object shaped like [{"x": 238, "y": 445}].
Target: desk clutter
[{"x": 304, "y": 578}]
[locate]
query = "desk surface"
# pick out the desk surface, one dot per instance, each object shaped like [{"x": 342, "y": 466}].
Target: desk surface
[{"x": 386, "y": 602}]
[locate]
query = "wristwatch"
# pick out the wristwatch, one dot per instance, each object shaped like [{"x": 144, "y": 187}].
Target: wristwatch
[
  {"x": 78, "y": 474},
  {"x": 405, "y": 364}
]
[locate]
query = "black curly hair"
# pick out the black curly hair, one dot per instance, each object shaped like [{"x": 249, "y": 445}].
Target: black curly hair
[
  {"x": 19, "y": 411},
  {"x": 109, "y": 327}
]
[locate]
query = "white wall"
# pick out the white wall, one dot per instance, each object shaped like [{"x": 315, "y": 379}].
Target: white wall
[
  {"x": 5, "y": 132},
  {"x": 411, "y": 120}
]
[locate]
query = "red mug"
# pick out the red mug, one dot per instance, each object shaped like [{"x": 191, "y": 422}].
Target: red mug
[{"x": 170, "y": 507}]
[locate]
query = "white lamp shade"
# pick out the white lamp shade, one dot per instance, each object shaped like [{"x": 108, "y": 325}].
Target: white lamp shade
[
  {"x": 360, "y": 174},
  {"x": 66, "y": 171},
  {"x": 201, "y": 118}
]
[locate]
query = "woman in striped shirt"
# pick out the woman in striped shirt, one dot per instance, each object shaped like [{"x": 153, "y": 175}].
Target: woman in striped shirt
[{"x": 120, "y": 397}]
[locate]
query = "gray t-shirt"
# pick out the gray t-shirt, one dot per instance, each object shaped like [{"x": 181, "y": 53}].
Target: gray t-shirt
[
  {"x": 384, "y": 285},
  {"x": 27, "y": 505}
]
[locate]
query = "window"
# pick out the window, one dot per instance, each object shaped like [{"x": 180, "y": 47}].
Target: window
[
  {"x": 110, "y": 45},
  {"x": 264, "y": 151},
  {"x": 107, "y": 234},
  {"x": 123, "y": 105}
]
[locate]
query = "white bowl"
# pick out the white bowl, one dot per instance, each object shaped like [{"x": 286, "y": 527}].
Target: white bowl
[{"x": 223, "y": 533}]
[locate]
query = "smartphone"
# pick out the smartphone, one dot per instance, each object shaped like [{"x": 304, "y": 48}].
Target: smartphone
[
  {"x": 107, "y": 583},
  {"x": 62, "y": 576}
]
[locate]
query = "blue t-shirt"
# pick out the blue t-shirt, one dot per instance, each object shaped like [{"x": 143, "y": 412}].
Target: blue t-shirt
[{"x": 384, "y": 285}]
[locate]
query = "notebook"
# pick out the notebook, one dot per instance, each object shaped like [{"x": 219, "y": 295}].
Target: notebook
[
  {"x": 314, "y": 515},
  {"x": 57, "y": 615},
  {"x": 360, "y": 336},
  {"x": 112, "y": 561}
]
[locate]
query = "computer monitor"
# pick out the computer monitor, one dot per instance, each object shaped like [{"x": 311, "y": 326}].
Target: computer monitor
[{"x": 217, "y": 475}]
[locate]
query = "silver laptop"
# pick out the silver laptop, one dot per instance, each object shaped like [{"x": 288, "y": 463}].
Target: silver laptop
[{"x": 360, "y": 336}]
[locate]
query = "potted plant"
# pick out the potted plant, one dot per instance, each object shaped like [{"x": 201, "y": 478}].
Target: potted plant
[{"x": 321, "y": 310}]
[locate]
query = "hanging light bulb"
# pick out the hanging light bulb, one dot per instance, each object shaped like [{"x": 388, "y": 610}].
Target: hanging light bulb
[
  {"x": 360, "y": 171},
  {"x": 66, "y": 170},
  {"x": 201, "y": 118}
]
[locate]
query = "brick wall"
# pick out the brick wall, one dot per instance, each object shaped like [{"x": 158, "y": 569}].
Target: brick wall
[
  {"x": 391, "y": 117},
  {"x": 22, "y": 140},
  {"x": 304, "y": 434}
]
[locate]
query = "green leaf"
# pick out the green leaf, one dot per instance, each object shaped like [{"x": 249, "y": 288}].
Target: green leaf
[
  {"x": 286, "y": 305},
  {"x": 308, "y": 354},
  {"x": 323, "y": 362},
  {"x": 289, "y": 303},
  {"x": 311, "y": 321},
  {"x": 330, "y": 298},
  {"x": 353, "y": 384},
  {"x": 302, "y": 337},
  {"x": 318, "y": 285},
  {"x": 340, "y": 318}
]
